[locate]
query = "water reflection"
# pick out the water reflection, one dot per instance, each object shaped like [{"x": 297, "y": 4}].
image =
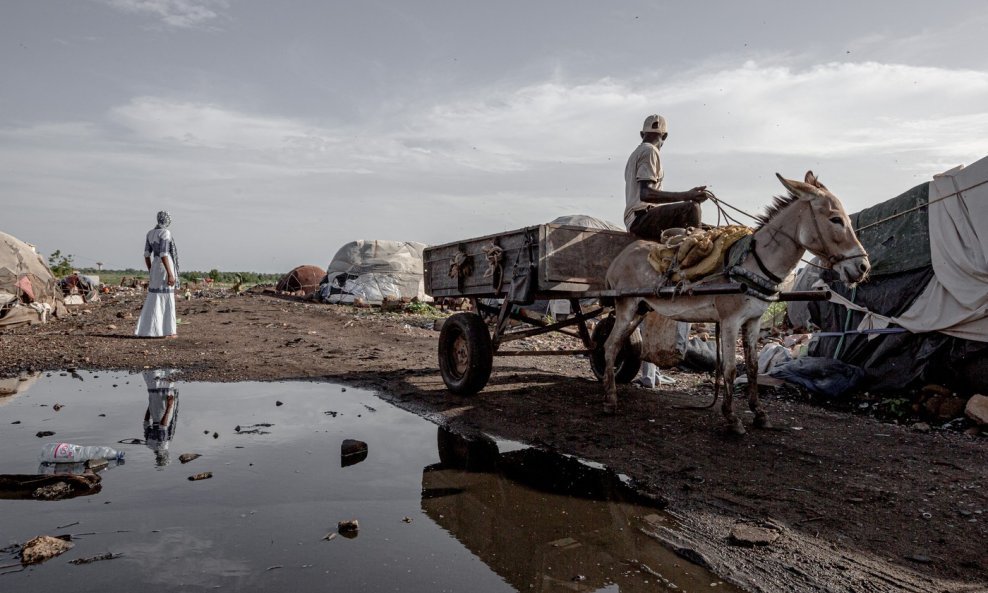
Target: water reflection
[
  {"x": 546, "y": 522},
  {"x": 161, "y": 417},
  {"x": 14, "y": 385}
]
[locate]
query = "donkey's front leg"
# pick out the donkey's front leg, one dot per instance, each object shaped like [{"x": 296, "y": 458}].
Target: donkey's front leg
[
  {"x": 749, "y": 338},
  {"x": 726, "y": 342}
]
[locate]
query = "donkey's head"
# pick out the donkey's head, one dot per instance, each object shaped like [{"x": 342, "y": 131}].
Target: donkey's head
[{"x": 824, "y": 229}]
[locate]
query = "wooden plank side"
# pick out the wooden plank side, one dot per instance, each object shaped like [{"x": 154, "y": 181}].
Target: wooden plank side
[
  {"x": 570, "y": 260},
  {"x": 576, "y": 256},
  {"x": 438, "y": 259}
]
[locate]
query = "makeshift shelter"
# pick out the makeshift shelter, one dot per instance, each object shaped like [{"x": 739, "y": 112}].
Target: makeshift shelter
[
  {"x": 922, "y": 316},
  {"x": 587, "y": 222},
  {"x": 29, "y": 292},
  {"x": 304, "y": 278},
  {"x": 374, "y": 270}
]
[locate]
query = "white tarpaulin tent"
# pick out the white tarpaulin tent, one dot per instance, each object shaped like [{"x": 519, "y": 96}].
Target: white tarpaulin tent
[
  {"x": 28, "y": 290},
  {"x": 955, "y": 301},
  {"x": 922, "y": 315},
  {"x": 374, "y": 270},
  {"x": 587, "y": 222}
]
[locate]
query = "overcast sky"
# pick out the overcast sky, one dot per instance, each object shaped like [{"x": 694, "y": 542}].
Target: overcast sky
[{"x": 274, "y": 132}]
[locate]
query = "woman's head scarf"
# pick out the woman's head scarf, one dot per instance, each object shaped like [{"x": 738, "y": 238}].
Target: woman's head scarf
[{"x": 164, "y": 219}]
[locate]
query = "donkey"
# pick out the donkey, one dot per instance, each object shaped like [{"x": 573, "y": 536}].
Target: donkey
[{"x": 810, "y": 219}]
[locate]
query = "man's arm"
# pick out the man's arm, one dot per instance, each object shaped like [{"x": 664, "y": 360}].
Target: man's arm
[
  {"x": 167, "y": 262},
  {"x": 147, "y": 262},
  {"x": 647, "y": 193}
]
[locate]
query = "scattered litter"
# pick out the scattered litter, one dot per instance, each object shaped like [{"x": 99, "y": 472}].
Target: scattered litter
[
  {"x": 44, "y": 547},
  {"x": 97, "y": 558},
  {"x": 253, "y": 428},
  {"x": 329, "y": 537},
  {"x": 97, "y": 464},
  {"x": 406, "y": 519},
  {"x": 279, "y": 403},
  {"x": 187, "y": 457},
  {"x": 348, "y": 528},
  {"x": 54, "y": 491},
  {"x": 27, "y": 486},
  {"x": 57, "y": 407},
  {"x": 352, "y": 452},
  {"x": 276, "y": 566},
  {"x": 200, "y": 476},
  {"x": 44, "y": 433}
]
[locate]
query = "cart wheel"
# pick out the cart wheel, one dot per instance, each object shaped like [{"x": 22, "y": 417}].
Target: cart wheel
[
  {"x": 465, "y": 353},
  {"x": 629, "y": 358}
]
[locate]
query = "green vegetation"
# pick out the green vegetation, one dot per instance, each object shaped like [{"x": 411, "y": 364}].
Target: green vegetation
[
  {"x": 775, "y": 314},
  {"x": 61, "y": 265},
  {"x": 422, "y": 308},
  {"x": 113, "y": 277}
]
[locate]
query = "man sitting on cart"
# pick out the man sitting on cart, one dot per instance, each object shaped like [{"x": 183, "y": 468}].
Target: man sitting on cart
[{"x": 649, "y": 209}]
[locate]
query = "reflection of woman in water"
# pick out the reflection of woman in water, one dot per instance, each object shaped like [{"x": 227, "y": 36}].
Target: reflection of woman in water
[{"x": 160, "y": 420}]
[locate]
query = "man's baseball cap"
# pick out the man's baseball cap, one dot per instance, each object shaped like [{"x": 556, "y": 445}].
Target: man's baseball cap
[{"x": 655, "y": 123}]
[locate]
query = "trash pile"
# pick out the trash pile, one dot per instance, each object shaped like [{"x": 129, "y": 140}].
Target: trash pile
[{"x": 28, "y": 290}]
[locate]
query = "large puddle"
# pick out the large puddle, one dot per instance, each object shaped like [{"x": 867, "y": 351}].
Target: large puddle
[{"x": 436, "y": 511}]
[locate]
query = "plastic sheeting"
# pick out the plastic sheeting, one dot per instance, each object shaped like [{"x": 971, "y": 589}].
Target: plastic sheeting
[
  {"x": 20, "y": 261},
  {"x": 373, "y": 270},
  {"x": 955, "y": 301},
  {"x": 822, "y": 376},
  {"x": 25, "y": 276},
  {"x": 906, "y": 287},
  {"x": 587, "y": 222}
]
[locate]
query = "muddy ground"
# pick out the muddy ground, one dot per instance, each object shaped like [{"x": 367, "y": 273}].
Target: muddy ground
[{"x": 860, "y": 505}]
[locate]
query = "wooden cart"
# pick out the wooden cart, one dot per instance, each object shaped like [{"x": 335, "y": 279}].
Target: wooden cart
[{"x": 502, "y": 273}]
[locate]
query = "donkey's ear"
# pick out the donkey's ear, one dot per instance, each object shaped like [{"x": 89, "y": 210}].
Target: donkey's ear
[
  {"x": 799, "y": 189},
  {"x": 813, "y": 180}
]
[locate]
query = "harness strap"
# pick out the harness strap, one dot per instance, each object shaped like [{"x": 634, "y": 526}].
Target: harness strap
[{"x": 761, "y": 264}]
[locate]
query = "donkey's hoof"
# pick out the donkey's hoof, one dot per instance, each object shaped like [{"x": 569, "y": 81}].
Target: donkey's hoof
[
  {"x": 736, "y": 427},
  {"x": 762, "y": 421}
]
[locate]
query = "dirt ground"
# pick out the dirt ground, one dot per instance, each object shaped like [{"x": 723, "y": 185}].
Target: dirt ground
[{"x": 860, "y": 505}]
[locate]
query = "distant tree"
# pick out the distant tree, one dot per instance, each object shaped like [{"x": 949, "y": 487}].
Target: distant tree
[
  {"x": 214, "y": 274},
  {"x": 61, "y": 265}
]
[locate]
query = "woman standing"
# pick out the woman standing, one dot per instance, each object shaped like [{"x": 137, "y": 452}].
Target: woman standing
[{"x": 161, "y": 258}]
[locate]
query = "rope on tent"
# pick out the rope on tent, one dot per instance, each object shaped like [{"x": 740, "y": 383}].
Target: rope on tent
[{"x": 914, "y": 208}]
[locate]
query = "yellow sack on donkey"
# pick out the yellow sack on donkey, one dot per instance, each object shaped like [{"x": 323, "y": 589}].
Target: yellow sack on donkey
[{"x": 699, "y": 254}]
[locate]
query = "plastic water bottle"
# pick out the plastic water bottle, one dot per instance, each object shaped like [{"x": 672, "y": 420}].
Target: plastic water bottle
[{"x": 68, "y": 453}]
